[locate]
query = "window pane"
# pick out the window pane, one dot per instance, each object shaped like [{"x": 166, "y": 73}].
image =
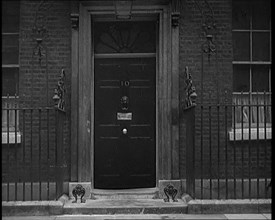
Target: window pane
[
  {"x": 260, "y": 78},
  {"x": 10, "y": 50},
  {"x": 261, "y": 47},
  {"x": 12, "y": 102},
  {"x": 261, "y": 15},
  {"x": 241, "y": 44},
  {"x": 261, "y": 114},
  {"x": 241, "y": 78},
  {"x": 125, "y": 37},
  {"x": 10, "y": 16},
  {"x": 241, "y": 110},
  {"x": 240, "y": 15},
  {"x": 9, "y": 81}
]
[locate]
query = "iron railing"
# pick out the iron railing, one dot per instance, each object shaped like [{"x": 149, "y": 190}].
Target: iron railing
[
  {"x": 232, "y": 150},
  {"x": 231, "y": 158},
  {"x": 31, "y": 155}
]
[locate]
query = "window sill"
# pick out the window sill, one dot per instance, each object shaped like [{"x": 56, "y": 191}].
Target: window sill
[
  {"x": 11, "y": 137},
  {"x": 243, "y": 134}
]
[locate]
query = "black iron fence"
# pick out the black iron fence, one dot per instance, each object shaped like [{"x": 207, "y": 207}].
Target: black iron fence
[
  {"x": 32, "y": 152},
  {"x": 230, "y": 145}
]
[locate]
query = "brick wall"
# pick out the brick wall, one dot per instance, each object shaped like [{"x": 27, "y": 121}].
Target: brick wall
[
  {"x": 213, "y": 81},
  {"x": 37, "y": 81}
]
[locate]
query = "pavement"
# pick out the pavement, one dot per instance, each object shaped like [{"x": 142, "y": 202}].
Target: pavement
[
  {"x": 65, "y": 206},
  {"x": 106, "y": 209},
  {"x": 145, "y": 216}
]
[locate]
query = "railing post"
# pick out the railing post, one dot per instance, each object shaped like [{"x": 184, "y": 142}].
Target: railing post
[
  {"x": 59, "y": 98},
  {"x": 59, "y": 152},
  {"x": 190, "y": 151},
  {"x": 189, "y": 109}
]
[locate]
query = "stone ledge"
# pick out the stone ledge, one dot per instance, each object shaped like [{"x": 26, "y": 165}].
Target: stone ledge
[
  {"x": 102, "y": 211},
  {"x": 64, "y": 206},
  {"x": 165, "y": 210},
  {"x": 33, "y": 208},
  {"x": 229, "y": 206},
  {"x": 125, "y": 206}
]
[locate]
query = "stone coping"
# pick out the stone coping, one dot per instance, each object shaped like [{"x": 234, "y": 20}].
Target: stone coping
[
  {"x": 144, "y": 206},
  {"x": 148, "y": 216},
  {"x": 229, "y": 206}
]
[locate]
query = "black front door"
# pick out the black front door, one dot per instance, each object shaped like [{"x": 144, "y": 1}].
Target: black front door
[{"x": 125, "y": 154}]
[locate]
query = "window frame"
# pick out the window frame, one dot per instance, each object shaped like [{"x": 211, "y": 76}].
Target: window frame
[
  {"x": 11, "y": 135},
  {"x": 251, "y": 64}
]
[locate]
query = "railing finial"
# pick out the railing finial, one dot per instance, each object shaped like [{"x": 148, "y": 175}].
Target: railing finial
[
  {"x": 191, "y": 95},
  {"x": 59, "y": 92}
]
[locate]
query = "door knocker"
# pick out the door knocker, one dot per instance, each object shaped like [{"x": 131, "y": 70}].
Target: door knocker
[{"x": 124, "y": 103}]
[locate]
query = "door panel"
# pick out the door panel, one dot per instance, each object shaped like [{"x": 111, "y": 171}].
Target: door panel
[{"x": 125, "y": 160}]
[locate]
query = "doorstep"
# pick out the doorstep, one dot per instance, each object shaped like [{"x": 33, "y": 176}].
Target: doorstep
[
  {"x": 125, "y": 206},
  {"x": 90, "y": 207}
]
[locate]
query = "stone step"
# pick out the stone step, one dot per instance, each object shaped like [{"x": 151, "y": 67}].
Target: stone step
[
  {"x": 149, "y": 193},
  {"x": 124, "y": 206}
]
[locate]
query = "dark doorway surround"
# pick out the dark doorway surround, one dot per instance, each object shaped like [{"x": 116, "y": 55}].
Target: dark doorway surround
[{"x": 166, "y": 89}]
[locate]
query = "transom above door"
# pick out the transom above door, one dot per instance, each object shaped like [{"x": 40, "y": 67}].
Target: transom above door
[{"x": 125, "y": 104}]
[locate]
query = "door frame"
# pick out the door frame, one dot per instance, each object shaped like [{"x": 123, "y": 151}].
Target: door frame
[{"x": 82, "y": 90}]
